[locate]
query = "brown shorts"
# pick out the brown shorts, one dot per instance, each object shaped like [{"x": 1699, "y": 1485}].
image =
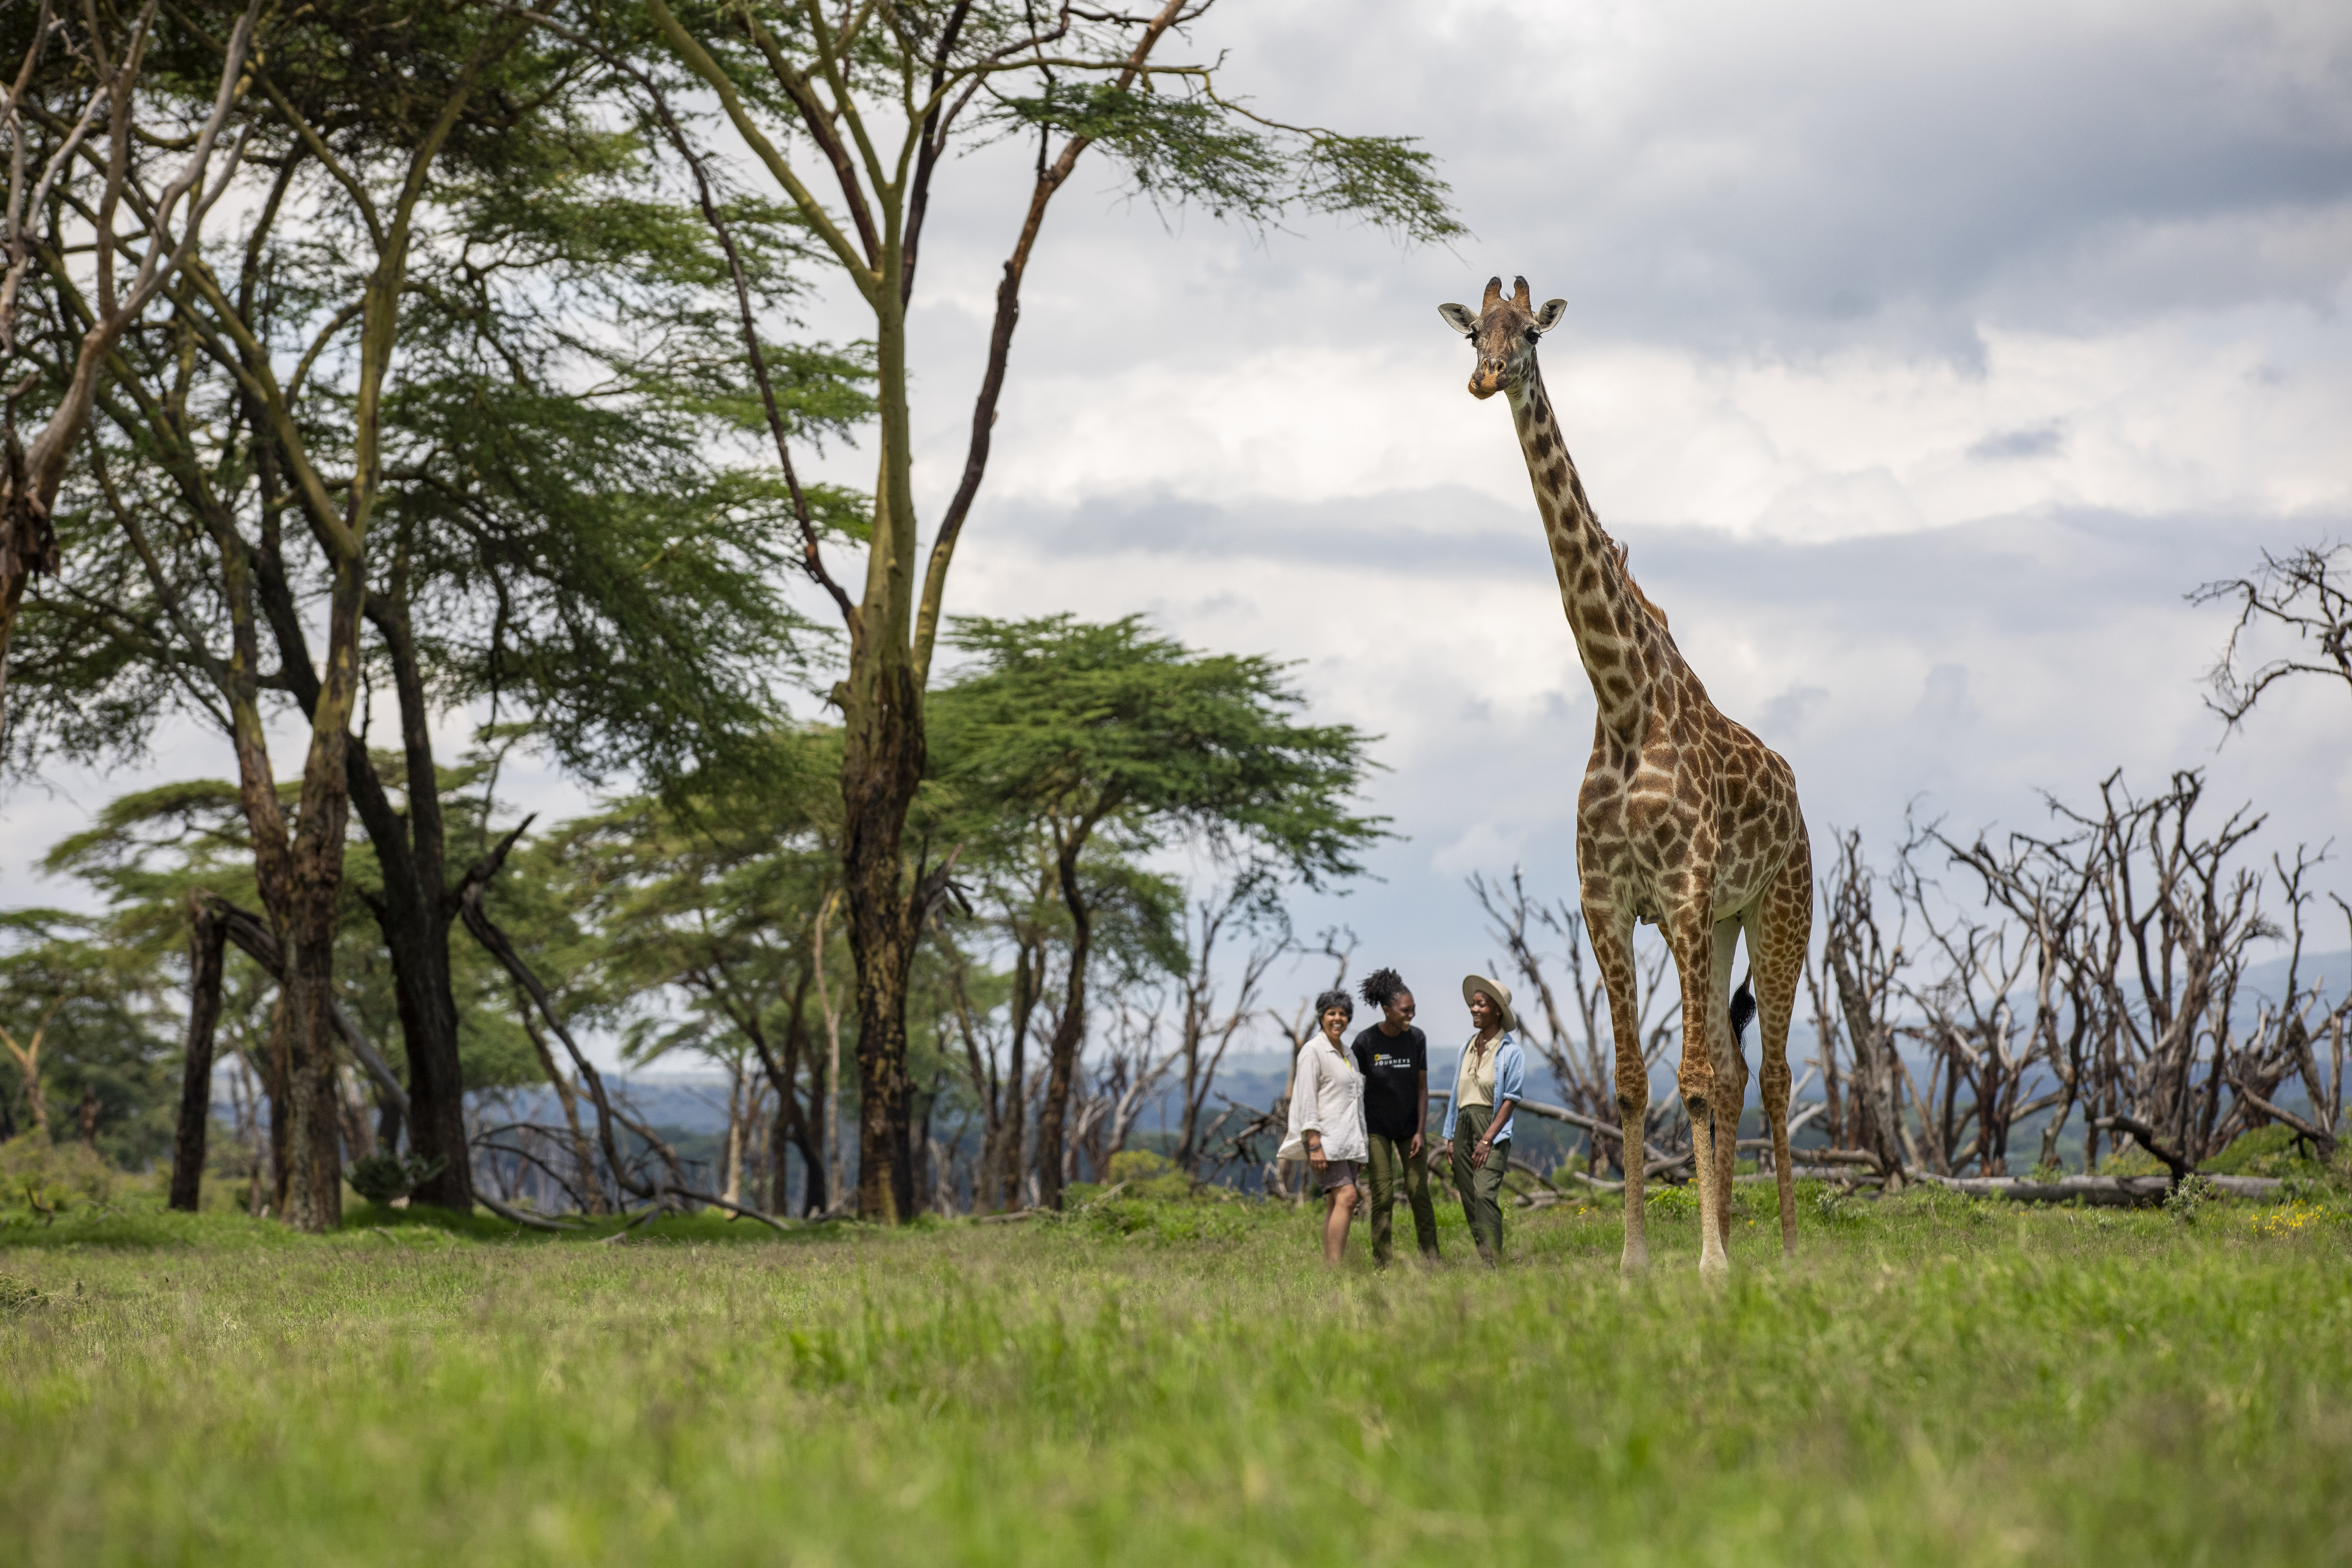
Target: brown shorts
[{"x": 1336, "y": 1173}]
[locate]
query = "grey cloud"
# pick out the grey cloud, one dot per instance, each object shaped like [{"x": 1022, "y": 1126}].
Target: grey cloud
[
  {"x": 2008, "y": 576},
  {"x": 2010, "y": 445},
  {"x": 1807, "y": 175},
  {"x": 1785, "y": 714},
  {"x": 1945, "y": 703}
]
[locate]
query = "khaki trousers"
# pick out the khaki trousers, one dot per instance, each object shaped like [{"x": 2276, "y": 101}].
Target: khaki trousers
[
  {"x": 1393, "y": 1168},
  {"x": 1481, "y": 1189}
]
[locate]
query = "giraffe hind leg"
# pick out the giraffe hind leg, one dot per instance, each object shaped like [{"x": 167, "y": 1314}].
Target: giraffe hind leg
[{"x": 1778, "y": 940}]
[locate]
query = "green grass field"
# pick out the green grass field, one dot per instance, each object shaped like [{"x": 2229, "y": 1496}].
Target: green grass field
[{"x": 1935, "y": 1381}]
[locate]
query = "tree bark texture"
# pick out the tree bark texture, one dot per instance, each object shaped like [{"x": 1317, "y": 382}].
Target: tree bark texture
[
  {"x": 1069, "y": 1035},
  {"x": 207, "y": 937},
  {"x": 314, "y": 1187},
  {"x": 883, "y": 765},
  {"x": 416, "y": 913}
]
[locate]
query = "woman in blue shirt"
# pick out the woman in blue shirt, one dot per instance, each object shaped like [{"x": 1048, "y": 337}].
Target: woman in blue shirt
[{"x": 1489, "y": 1079}]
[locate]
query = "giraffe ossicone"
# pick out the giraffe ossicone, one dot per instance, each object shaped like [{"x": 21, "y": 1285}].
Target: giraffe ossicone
[{"x": 1685, "y": 819}]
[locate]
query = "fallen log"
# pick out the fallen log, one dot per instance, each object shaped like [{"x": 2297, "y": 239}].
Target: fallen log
[
  {"x": 1837, "y": 1157},
  {"x": 744, "y": 1210},
  {"x": 2104, "y": 1192},
  {"x": 1818, "y": 1174},
  {"x": 520, "y": 1216}
]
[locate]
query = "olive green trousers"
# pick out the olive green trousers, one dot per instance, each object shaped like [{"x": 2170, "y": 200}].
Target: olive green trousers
[
  {"x": 1395, "y": 1170},
  {"x": 1481, "y": 1189}
]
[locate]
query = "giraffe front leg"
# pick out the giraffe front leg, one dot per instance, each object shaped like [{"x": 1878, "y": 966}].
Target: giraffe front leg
[
  {"x": 1613, "y": 947},
  {"x": 1730, "y": 1076},
  {"x": 1692, "y": 937}
]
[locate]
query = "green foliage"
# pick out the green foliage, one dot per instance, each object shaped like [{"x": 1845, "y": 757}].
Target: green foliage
[
  {"x": 2189, "y": 1197},
  {"x": 2278, "y": 1151},
  {"x": 1109, "y": 729},
  {"x": 45, "y": 1179},
  {"x": 1671, "y": 1202},
  {"x": 564, "y": 519},
  {"x": 1831, "y": 1204},
  {"x": 92, "y": 994},
  {"x": 1144, "y": 1176},
  {"x": 2131, "y": 1161},
  {"x": 1184, "y": 147},
  {"x": 1139, "y": 1165},
  {"x": 1066, "y": 1391}
]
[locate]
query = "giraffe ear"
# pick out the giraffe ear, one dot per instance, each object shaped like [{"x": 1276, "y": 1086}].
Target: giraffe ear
[
  {"x": 1460, "y": 318},
  {"x": 1550, "y": 315}
]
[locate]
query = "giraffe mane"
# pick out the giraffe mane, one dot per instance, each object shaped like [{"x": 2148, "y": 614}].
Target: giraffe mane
[{"x": 1622, "y": 551}]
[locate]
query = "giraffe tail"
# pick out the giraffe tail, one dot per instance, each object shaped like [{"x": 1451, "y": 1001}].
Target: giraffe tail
[{"x": 1743, "y": 1007}]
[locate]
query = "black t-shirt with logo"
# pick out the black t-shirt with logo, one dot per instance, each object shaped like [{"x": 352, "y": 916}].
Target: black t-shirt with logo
[{"x": 1392, "y": 1066}]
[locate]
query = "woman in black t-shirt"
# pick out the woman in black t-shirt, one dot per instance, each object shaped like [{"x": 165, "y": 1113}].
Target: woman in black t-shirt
[{"x": 1393, "y": 1057}]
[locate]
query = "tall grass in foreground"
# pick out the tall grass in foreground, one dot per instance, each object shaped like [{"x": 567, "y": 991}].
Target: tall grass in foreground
[{"x": 1936, "y": 1381}]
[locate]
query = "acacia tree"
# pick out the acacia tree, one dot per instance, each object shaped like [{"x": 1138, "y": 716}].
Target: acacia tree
[
  {"x": 853, "y": 117},
  {"x": 81, "y": 79},
  {"x": 547, "y": 537},
  {"x": 698, "y": 927},
  {"x": 1106, "y": 738}
]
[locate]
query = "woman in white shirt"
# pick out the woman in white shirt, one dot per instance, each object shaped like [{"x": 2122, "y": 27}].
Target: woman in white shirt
[{"x": 1327, "y": 1118}]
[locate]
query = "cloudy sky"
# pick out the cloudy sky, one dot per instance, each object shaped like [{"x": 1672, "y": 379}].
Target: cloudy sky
[{"x": 1927, "y": 358}]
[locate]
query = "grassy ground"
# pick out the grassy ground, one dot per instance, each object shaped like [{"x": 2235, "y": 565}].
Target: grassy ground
[{"x": 1935, "y": 1381}]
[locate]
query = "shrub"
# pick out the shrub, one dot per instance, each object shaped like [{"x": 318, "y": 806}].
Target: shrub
[
  {"x": 381, "y": 1178},
  {"x": 1139, "y": 1165},
  {"x": 2276, "y": 1149},
  {"x": 2187, "y": 1195},
  {"x": 1149, "y": 1175},
  {"x": 1673, "y": 1202},
  {"x": 49, "y": 1177}
]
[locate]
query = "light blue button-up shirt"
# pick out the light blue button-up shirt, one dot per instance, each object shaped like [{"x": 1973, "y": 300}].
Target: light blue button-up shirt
[{"x": 1510, "y": 1078}]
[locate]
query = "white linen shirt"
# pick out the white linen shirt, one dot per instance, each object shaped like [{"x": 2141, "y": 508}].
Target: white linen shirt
[{"x": 1326, "y": 1096}]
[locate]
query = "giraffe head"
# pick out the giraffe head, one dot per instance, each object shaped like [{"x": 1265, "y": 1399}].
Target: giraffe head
[{"x": 1504, "y": 331}]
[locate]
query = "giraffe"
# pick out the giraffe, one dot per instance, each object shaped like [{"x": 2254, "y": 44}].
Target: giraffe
[{"x": 1686, "y": 821}]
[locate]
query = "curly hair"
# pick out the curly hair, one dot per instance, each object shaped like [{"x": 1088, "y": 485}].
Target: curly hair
[
  {"x": 1330, "y": 999},
  {"x": 1382, "y": 986}
]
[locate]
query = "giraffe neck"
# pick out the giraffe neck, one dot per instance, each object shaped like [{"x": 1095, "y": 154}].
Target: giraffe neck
[{"x": 1624, "y": 650}]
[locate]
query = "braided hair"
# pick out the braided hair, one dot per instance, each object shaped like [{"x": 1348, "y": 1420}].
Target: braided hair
[{"x": 1382, "y": 986}]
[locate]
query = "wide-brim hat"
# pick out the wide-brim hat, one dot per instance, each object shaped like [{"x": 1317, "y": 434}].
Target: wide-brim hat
[{"x": 1500, "y": 992}]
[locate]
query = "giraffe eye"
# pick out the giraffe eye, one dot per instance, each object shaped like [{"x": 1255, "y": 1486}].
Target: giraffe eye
[{"x": 1533, "y": 335}]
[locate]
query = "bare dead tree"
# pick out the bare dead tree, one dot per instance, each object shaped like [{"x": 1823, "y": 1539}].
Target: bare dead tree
[
  {"x": 1129, "y": 1071},
  {"x": 1207, "y": 1026},
  {"x": 2105, "y": 970},
  {"x": 1860, "y": 969},
  {"x": 2040, "y": 885},
  {"x": 2306, "y": 597},
  {"x": 2184, "y": 912},
  {"x": 1576, "y": 1043}
]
